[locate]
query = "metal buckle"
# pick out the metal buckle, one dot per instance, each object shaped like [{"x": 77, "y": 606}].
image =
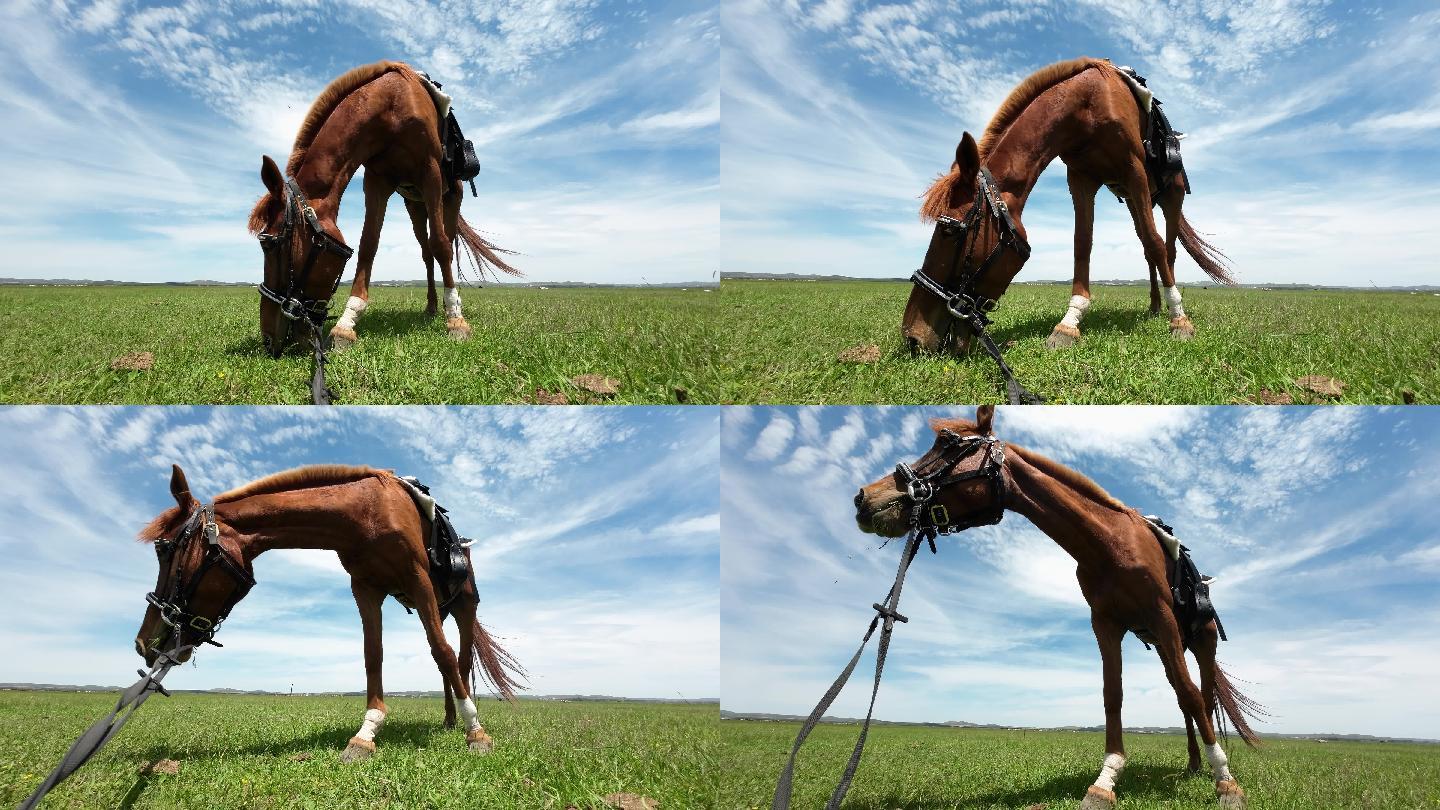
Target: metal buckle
[
  {"x": 201, "y": 624},
  {"x": 950, "y": 226},
  {"x": 939, "y": 515},
  {"x": 292, "y": 308},
  {"x": 212, "y": 533}
]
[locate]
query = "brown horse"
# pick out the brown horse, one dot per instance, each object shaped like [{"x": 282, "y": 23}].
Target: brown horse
[
  {"x": 1119, "y": 562},
  {"x": 1083, "y": 112},
  {"x": 383, "y": 117},
  {"x": 368, "y": 518}
]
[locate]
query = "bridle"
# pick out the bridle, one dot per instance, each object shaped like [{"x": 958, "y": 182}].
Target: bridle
[
  {"x": 958, "y": 292},
  {"x": 928, "y": 518},
  {"x": 294, "y": 304},
  {"x": 174, "y": 607}
]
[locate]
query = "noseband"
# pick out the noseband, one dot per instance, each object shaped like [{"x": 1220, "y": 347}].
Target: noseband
[
  {"x": 959, "y": 291},
  {"x": 928, "y": 518},
  {"x": 175, "y": 607},
  {"x": 294, "y": 304}
]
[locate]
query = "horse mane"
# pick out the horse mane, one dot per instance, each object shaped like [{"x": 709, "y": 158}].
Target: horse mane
[
  {"x": 316, "y": 475},
  {"x": 324, "y": 104},
  {"x": 160, "y": 526},
  {"x": 937, "y": 197},
  {"x": 1047, "y": 465}
]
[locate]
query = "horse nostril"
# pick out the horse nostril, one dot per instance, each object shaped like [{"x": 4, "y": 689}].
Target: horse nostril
[{"x": 860, "y": 502}]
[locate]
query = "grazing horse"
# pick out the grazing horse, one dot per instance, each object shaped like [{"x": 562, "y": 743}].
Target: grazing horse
[
  {"x": 1120, "y": 564},
  {"x": 382, "y": 117},
  {"x": 1083, "y": 112},
  {"x": 369, "y": 519}
]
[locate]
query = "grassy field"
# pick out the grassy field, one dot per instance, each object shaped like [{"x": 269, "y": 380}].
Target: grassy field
[
  {"x": 273, "y": 752},
  {"x": 57, "y": 345},
  {"x": 783, "y": 339},
  {"x": 919, "y": 767}
]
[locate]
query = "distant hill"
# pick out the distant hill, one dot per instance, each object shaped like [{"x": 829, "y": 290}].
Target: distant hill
[
  {"x": 67, "y": 282},
  {"x": 1419, "y": 288},
  {"x": 791, "y": 718},
  {"x": 223, "y": 690}
]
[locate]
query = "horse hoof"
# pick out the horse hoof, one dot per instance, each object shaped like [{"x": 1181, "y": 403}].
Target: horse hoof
[
  {"x": 431, "y": 310},
  {"x": 1098, "y": 798},
  {"x": 480, "y": 742},
  {"x": 1181, "y": 328},
  {"x": 1230, "y": 795},
  {"x": 458, "y": 328},
  {"x": 449, "y": 722},
  {"x": 358, "y": 750},
  {"x": 1062, "y": 337},
  {"x": 342, "y": 338},
  {"x": 1154, "y": 310}
]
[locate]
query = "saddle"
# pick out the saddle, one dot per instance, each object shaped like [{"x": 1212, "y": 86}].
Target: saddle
[
  {"x": 444, "y": 549},
  {"x": 1189, "y": 589},
  {"x": 1162, "y": 143}
]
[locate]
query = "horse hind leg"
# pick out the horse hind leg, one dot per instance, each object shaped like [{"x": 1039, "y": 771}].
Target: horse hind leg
[
  {"x": 1193, "y": 704},
  {"x": 449, "y": 666},
  {"x": 1139, "y": 203},
  {"x": 418, "y": 224},
  {"x": 1082, "y": 194}
]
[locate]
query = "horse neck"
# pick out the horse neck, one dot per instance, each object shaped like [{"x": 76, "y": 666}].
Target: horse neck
[
  {"x": 331, "y": 161},
  {"x": 320, "y": 518},
  {"x": 1022, "y": 153},
  {"x": 1075, "y": 519}
]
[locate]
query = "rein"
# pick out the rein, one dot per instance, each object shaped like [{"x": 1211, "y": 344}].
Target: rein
[
  {"x": 294, "y": 305},
  {"x": 176, "y": 612},
  {"x": 961, "y": 300},
  {"x": 927, "y": 519}
]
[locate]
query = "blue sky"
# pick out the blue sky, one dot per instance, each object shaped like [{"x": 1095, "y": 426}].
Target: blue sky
[
  {"x": 1318, "y": 523},
  {"x": 1311, "y": 150},
  {"x": 598, "y": 534},
  {"x": 134, "y": 130}
]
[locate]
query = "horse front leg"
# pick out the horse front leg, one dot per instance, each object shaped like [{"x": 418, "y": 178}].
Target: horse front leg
[
  {"x": 419, "y": 223},
  {"x": 1108, "y": 635},
  {"x": 1082, "y": 194},
  {"x": 362, "y": 745},
  {"x": 377, "y": 195}
]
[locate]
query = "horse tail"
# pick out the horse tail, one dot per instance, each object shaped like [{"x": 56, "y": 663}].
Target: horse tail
[
  {"x": 484, "y": 255},
  {"x": 497, "y": 666},
  {"x": 1239, "y": 708},
  {"x": 1209, "y": 257}
]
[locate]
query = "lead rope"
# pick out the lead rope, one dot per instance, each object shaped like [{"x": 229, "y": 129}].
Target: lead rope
[
  {"x": 320, "y": 393},
  {"x": 106, "y": 727},
  {"x": 889, "y": 612}
]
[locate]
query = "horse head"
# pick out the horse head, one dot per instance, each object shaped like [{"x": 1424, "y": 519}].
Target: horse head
[
  {"x": 966, "y": 254},
  {"x": 199, "y": 580},
  {"x": 951, "y": 476},
  {"x": 305, "y": 255}
]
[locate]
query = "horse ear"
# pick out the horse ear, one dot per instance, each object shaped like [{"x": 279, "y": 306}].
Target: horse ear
[
  {"x": 179, "y": 487},
  {"x": 967, "y": 156},
  {"x": 271, "y": 176},
  {"x": 984, "y": 418}
]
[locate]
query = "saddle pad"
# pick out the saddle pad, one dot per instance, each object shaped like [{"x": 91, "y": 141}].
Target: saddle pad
[
  {"x": 442, "y": 101},
  {"x": 1143, "y": 96},
  {"x": 423, "y": 502},
  {"x": 1172, "y": 546}
]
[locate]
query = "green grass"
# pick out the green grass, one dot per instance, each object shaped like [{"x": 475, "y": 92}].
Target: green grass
[
  {"x": 57, "y": 344},
  {"x": 783, "y": 338},
  {"x": 241, "y": 752},
  {"x": 918, "y": 767}
]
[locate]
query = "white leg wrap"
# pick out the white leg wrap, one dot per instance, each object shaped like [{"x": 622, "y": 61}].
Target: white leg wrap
[
  {"x": 1078, "y": 305},
  {"x": 1172, "y": 294},
  {"x": 452, "y": 302},
  {"x": 467, "y": 711},
  {"x": 1110, "y": 772},
  {"x": 374, "y": 719},
  {"x": 353, "y": 308},
  {"x": 1218, "y": 763}
]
